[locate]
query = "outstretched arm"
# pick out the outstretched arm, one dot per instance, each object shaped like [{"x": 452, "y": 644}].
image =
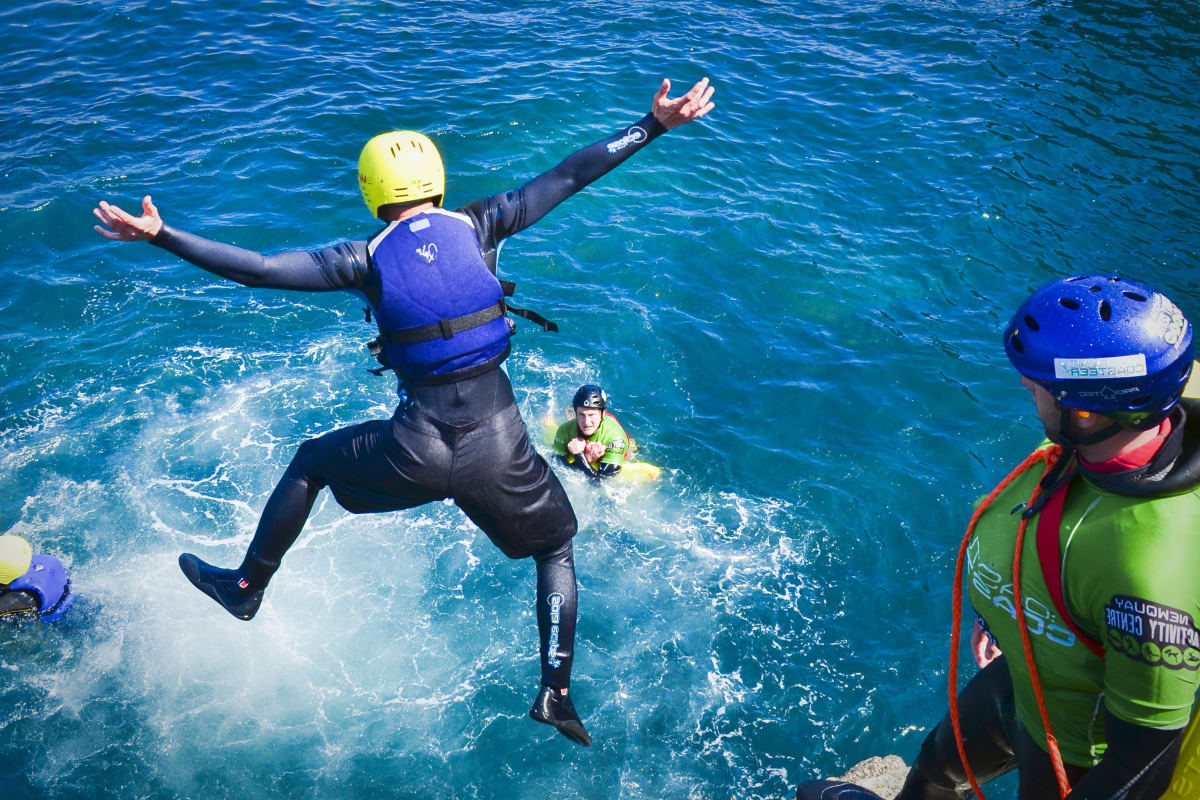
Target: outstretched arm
[
  {"x": 509, "y": 212},
  {"x": 342, "y": 266}
]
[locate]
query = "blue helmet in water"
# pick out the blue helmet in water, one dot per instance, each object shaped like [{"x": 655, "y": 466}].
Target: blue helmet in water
[{"x": 1105, "y": 344}]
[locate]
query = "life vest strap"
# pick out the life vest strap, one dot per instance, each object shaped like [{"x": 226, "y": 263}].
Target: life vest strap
[
  {"x": 509, "y": 288},
  {"x": 444, "y": 328},
  {"x": 534, "y": 317}
]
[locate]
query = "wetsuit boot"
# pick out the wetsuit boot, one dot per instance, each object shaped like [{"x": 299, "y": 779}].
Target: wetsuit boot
[
  {"x": 226, "y": 586},
  {"x": 555, "y": 708}
]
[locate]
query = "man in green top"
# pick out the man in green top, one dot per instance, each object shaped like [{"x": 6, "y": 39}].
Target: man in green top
[
  {"x": 1110, "y": 570},
  {"x": 594, "y": 442}
]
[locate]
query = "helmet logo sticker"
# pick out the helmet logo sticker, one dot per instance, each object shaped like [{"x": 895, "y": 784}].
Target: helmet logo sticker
[
  {"x": 632, "y": 136},
  {"x": 1109, "y": 393},
  {"x": 1168, "y": 322},
  {"x": 1133, "y": 366},
  {"x": 428, "y": 251}
]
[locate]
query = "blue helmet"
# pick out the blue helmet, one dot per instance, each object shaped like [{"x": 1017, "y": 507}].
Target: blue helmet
[{"x": 1104, "y": 344}]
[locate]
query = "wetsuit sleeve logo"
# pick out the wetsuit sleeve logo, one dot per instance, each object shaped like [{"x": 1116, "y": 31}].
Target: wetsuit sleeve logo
[
  {"x": 1152, "y": 633},
  {"x": 632, "y": 136},
  {"x": 555, "y": 600}
]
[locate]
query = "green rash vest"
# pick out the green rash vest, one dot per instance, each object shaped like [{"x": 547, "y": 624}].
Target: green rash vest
[
  {"x": 610, "y": 434},
  {"x": 1131, "y": 580}
]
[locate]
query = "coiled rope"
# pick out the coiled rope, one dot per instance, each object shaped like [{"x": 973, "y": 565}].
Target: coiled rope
[{"x": 1049, "y": 456}]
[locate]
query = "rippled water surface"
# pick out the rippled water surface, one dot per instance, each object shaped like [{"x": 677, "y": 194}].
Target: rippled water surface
[{"x": 795, "y": 305}]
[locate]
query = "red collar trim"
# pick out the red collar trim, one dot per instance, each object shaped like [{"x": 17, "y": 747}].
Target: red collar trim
[{"x": 1138, "y": 458}]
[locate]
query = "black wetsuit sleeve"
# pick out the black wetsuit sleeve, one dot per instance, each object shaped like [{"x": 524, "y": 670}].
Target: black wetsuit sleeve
[
  {"x": 1136, "y": 766},
  {"x": 607, "y": 470},
  {"x": 342, "y": 266},
  {"x": 595, "y": 472},
  {"x": 18, "y": 602},
  {"x": 576, "y": 463},
  {"x": 506, "y": 213}
]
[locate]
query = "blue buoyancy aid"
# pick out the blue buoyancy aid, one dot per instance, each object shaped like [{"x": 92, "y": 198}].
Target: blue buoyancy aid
[
  {"x": 440, "y": 310},
  {"x": 47, "y": 578}
]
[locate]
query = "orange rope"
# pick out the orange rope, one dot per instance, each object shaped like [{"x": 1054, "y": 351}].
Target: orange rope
[
  {"x": 1060, "y": 772},
  {"x": 1049, "y": 456}
]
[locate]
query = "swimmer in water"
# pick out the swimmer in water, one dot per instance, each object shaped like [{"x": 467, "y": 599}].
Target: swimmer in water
[
  {"x": 593, "y": 442},
  {"x": 31, "y": 584}
]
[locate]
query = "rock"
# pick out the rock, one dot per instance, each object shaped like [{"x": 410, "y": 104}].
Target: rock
[{"x": 884, "y": 776}]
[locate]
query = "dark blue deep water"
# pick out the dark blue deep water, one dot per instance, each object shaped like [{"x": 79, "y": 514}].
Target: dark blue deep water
[{"x": 795, "y": 305}]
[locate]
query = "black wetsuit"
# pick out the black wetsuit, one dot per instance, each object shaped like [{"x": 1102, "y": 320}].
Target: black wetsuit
[
  {"x": 16, "y": 603},
  {"x": 457, "y": 435}
]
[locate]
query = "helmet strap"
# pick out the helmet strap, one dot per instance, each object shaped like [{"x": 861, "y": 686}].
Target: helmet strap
[{"x": 1062, "y": 471}]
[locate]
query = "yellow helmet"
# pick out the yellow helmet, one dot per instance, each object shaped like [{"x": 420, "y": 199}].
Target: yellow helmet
[
  {"x": 15, "y": 557},
  {"x": 400, "y": 167}
]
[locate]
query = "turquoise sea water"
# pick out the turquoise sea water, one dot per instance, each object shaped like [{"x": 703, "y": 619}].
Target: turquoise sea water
[{"x": 795, "y": 305}]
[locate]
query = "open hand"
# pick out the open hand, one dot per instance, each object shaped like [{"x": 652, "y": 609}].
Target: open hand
[
  {"x": 125, "y": 227},
  {"x": 685, "y": 108}
]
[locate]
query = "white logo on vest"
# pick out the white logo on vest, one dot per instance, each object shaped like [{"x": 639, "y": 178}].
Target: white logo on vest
[{"x": 427, "y": 251}]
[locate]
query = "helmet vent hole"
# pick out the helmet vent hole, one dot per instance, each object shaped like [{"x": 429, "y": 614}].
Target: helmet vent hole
[
  {"x": 1135, "y": 296},
  {"x": 1031, "y": 323},
  {"x": 1093, "y": 288},
  {"x": 1105, "y": 310},
  {"x": 1067, "y": 302},
  {"x": 1016, "y": 343}
]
